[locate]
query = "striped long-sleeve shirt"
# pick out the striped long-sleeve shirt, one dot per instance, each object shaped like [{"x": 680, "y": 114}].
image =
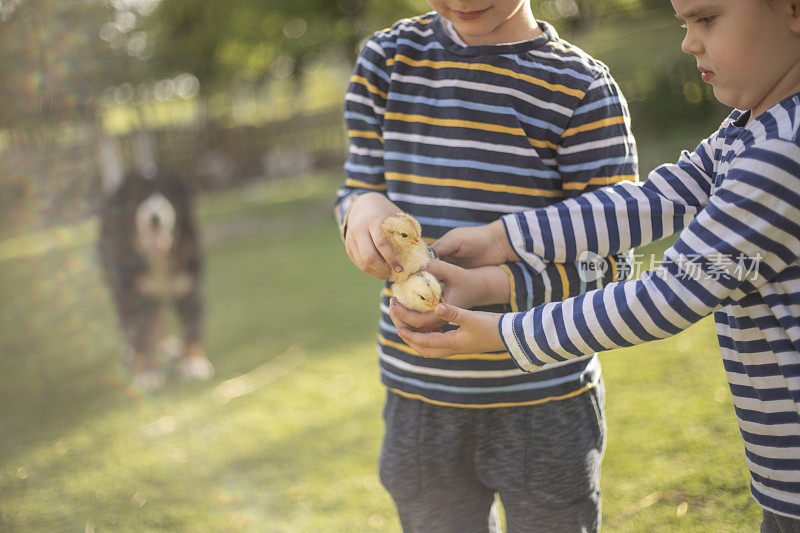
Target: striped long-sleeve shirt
[
  {"x": 737, "y": 199},
  {"x": 461, "y": 135}
]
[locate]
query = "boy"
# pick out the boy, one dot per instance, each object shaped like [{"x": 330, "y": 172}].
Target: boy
[
  {"x": 738, "y": 256},
  {"x": 458, "y": 117}
]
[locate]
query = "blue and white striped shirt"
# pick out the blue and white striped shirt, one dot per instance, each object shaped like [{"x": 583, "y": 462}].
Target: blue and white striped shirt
[
  {"x": 460, "y": 136},
  {"x": 737, "y": 200}
]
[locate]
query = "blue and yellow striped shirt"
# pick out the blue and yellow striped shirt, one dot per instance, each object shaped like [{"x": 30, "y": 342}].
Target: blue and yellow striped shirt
[{"x": 462, "y": 135}]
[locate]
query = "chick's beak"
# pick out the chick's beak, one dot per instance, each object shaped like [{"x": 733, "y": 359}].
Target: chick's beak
[{"x": 417, "y": 243}]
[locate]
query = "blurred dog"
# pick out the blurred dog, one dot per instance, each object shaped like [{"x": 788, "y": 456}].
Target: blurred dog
[{"x": 151, "y": 259}]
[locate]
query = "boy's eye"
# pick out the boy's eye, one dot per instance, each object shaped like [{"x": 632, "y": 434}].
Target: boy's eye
[{"x": 703, "y": 21}]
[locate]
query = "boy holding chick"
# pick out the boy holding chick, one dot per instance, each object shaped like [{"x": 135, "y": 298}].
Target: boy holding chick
[
  {"x": 736, "y": 201},
  {"x": 458, "y": 117}
]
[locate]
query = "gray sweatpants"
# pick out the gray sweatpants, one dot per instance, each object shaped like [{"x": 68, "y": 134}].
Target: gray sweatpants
[
  {"x": 775, "y": 523},
  {"x": 443, "y": 465}
]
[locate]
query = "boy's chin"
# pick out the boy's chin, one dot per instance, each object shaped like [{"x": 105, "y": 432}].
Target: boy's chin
[{"x": 733, "y": 99}]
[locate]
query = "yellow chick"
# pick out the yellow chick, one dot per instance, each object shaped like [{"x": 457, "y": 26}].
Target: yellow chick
[
  {"x": 404, "y": 234},
  {"x": 420, "y": 291}
]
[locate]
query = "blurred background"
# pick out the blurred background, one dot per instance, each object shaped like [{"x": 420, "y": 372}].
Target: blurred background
[{"x": 243, "y": 101}]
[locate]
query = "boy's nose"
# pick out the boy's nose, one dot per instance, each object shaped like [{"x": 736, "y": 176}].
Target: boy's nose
[{"x": 691, "y": 45}]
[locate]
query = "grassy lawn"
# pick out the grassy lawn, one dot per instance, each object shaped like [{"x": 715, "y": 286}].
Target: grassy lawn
[{"x": 286, "y": 436}]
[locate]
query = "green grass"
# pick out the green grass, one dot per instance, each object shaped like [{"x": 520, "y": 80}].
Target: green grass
[{"x": 297, "y": 449}]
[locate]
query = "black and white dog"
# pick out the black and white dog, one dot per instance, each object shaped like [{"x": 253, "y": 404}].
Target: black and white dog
[{"x": 151, "y": 259}]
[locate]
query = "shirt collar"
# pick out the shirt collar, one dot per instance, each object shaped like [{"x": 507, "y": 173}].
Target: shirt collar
[{"x": 450, "y": 40}]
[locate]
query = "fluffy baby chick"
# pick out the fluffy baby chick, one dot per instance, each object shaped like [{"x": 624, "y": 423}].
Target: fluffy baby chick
[
  {"x": 404, "y": 234},
  {"x": 420, "y": 291}
]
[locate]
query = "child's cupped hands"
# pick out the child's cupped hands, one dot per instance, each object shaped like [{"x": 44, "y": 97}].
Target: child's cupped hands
[
  {"x": 462, "y": 288},
  {"x": 478, "y": 332}
]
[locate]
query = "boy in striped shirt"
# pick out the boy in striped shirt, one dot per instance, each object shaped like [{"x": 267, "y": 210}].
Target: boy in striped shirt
[
  {"x": 458, "y": 117},
  {"x": 736, "y": 200}
]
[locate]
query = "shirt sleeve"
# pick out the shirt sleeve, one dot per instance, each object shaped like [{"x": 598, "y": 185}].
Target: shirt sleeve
[
  {"x": 365, "y": 105},
  {"x": 616, "y": 217},
  {"x": 558, "y": 281},
  {"x": 597, "y": 149},
  {"x": 749, "y": 232}
]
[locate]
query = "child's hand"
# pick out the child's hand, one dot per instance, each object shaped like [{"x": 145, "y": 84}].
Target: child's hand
[
  {"x": 478, "y": 333},
  {"x": 476, "y": 246},
  {"x": 462, "y": 288},
  {"x": 365, "y": 244}
]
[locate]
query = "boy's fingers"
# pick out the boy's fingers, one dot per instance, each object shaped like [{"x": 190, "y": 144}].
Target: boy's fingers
[
  {"x": 352, "y": 251},
  {"x": 360, "y": 261},
  {"x": 411, "y": 318},
  {"x": 372, "y": 260},
  {"x": 396, "y": 317},
  {"x": 399, "y": 324},
  {"x": 427, "y": 344},
  {"x": 439, "y": 269},
  {"x": 414, "y": 320},
  {"x": 451, "y": 313},
  {"x": 385, "y": 249},
  {"x": 446, "y": 246}
]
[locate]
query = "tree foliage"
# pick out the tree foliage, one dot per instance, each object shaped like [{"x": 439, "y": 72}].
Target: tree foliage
[
  {"x": 53, "y": 60},
  {"x": 582, "y": 13},
  {"x": 58, "y": 57},
  {"x": 254, "y": 40}
]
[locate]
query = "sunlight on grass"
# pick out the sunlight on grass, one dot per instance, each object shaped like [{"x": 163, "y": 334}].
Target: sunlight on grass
[{"x": 298, "y": 451}]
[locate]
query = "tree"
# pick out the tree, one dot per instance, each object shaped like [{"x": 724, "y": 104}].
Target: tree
[
  {"x": 54, "y": 61},
  {"x": 580, "y": 14},
  {"x": 254, "y": 40}
]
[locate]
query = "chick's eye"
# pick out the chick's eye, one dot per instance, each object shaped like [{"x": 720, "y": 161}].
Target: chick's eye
[
  {"x": 404, "y": 235},
  {"x": 423, "y": 298}
]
